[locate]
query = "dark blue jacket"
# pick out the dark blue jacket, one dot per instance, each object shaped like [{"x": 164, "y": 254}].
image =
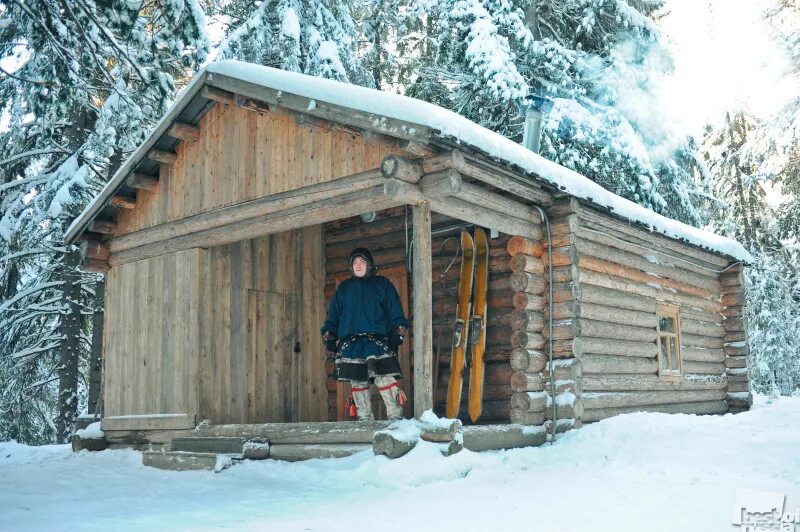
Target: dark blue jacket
[{"x": 364, "y": 305}]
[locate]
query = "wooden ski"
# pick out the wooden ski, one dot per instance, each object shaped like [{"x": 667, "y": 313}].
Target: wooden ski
[
  {"x": 477, "y": 328},
  {"x": 461, "y": 331}
]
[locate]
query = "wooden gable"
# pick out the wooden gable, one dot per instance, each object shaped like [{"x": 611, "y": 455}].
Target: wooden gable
[{"x": 241, "y": 155}]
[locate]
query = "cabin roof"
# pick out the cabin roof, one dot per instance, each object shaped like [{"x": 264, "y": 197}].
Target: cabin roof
[{"x": 393, "y": 115}]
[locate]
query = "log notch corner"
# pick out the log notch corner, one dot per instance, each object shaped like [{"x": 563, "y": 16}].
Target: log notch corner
[
  {"x": 532, "y": 401},
  {"x": 739, "y": 396}
]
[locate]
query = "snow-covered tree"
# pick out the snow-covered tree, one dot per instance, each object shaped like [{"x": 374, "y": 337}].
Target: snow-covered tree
[
  {"x": 315, "y": 37},
  {"x": 739, "y": 183},
  {"x": 773, "y": 324},
  {"x": 773, "y": 320},
  {"x": 599, "y": 62},
  {"x": 81, "y": 83},
  {"x": 776, "y": 143}
]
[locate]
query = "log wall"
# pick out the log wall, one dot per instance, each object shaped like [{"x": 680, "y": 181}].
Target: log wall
[
  {"x": 535, "y": 390},
  {"x": 609, "y": 277},
  {"x": 739, "y": 396},
  {"x": 386, "y": 239}
]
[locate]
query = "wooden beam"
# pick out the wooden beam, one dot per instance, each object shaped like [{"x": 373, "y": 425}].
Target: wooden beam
[
  {"x": 463, "y": 210},
  {"x": 104, "y": 227},
  {"x": 415, "y": 147},
  {"x": 95, "y": 266},
  {"x": 93, "y": 249},
  {"x": 443, "y": 161},
  {"x": 148, "y": 422},
  {"x": 441, "y": 184},
  {"x": 161, "y": 156},
  {"x": 142, "y": 181},
  {"x": 122, "y": 202},
  {"x": 397, "y": 167},
  {"x": 217, "y": 95},
  {"x": 403, "y": 192},
  {"x": 495, "y": 437},
  {"x": 335, "y": 113},
  {"x": 308, "y": 121},
  {"x": 377, "y": 137},
  {"x": 257, "y": 106},
  {"x": 293, "y": 452},
  {"x": 491, "y": 175},
  {"x": 485, "y": 217},
  {"x": 304, "y": 215},
  {"x": 184, "y": 131},
  {"x": 88, "y": 235},
  {"x": 497, "y": 202},
  {"x": 252, "y": 209},
  {"x": 423, "y": 309}
]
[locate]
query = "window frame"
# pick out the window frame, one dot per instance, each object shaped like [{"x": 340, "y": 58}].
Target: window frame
[{"x": 665, "y": 310}]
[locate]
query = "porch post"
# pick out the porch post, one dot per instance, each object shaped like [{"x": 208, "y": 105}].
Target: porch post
[{"x": 423, "y": 309}]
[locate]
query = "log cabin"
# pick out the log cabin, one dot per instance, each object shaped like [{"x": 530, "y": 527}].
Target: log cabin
[{"x": 225, "y": 233}]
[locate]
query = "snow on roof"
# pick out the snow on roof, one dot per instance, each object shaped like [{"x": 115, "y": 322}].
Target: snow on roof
[
  {"x": 448, "y": 123},
  {"x": 444, "y": 123}
]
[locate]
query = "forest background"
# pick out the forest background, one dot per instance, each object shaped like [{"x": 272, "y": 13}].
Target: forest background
[{"x": 713, "y": 141}]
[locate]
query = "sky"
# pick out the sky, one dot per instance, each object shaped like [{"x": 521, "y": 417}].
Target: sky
[{"x": 724, "y": 58}]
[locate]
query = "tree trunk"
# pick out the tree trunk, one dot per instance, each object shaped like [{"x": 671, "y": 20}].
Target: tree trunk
[
  {"x": 96, "y": 363},
  {"x": 70, "y": 349}
]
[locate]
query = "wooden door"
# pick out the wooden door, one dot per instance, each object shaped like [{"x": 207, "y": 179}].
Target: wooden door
[
  {"x": 274, "y": 377},
  {"x": 262, "y": 358}
]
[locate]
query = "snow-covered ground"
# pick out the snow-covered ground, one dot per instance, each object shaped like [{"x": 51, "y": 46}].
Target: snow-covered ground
[{"x": 633, "y": 472}]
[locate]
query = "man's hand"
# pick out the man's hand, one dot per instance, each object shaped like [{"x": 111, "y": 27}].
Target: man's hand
[
  {"x": 330, "y": 343},
  {"x": 397, "y": 337}
]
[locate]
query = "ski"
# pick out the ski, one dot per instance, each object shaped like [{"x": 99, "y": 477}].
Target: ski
[
  {"x": 477, "y": 328},
  {"x": 461, "y": 330}
]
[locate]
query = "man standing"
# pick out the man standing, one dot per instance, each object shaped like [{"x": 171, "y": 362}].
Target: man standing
[{"x": 364, "y": 328}]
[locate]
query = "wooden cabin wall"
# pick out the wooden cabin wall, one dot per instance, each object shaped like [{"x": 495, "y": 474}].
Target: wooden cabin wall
[
  {"x": 152, "y": 335},
  {"x": 609, "y": 279},
  {"x": 737, "y": 351},
  {"x": 531, "y": 382},
  {"x": 261, "y": 354},
  {"x": 386, "y": 239},
  {"x": 242, "y": 155},
  {"x": 214, "y": 332}
]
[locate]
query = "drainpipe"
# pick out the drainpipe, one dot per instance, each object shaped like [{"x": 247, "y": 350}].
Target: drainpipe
[{"x": 534, "y": 108}]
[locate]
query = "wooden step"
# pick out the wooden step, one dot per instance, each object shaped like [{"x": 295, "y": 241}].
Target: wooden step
[
  {"x": 187, "y": 461},
  {"x": 194, "y": 444},
  {"x": 294, "y": 452}
]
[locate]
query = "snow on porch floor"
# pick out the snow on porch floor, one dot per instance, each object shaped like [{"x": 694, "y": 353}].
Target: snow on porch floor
[{"x": 633, "y": 472}]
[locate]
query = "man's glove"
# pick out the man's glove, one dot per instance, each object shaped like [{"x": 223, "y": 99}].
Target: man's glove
[
  {"x": 330, "y": 342},
  {"x": 397, "y": 337}
]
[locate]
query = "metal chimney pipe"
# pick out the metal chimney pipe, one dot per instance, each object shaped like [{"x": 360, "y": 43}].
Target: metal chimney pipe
[{"x": 535, "y": 106}]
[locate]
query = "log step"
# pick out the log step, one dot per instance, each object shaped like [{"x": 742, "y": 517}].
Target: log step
[
  {"x": 294, "y": 452},
  {"x": 496, "y": 437},
  {"x": 186, "y": 461},
  {"x": 208, "y": 445}
]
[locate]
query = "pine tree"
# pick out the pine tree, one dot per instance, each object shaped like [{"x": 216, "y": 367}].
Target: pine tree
[
  {"x": 89, "y": 79},
  {"x": 773, "y": 320},
  {"x": 316, "y": 37},
  {"x": 776, "y": 143},
  {"x": 597, "y": 60},
  {"x": 772, "y": 325}
]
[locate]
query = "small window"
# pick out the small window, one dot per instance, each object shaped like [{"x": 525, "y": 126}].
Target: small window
[{"x": 669, "y": 341}]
